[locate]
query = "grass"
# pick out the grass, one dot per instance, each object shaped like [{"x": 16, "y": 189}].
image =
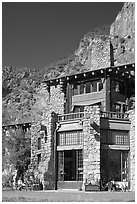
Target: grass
[{"x": 66, "y": 196}]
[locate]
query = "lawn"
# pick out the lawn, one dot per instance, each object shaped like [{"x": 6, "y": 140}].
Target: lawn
[{"x": 69, "y": 196}]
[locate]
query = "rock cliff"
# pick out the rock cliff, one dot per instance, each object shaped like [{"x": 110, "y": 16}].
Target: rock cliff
[{"x": 122, "y": 35}]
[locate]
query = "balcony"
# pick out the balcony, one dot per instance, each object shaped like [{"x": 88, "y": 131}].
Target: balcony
[
  {"x": 115, "y": 115},
  {"x": 70, "y": 116},
  {"x": 80, "y": 115}
]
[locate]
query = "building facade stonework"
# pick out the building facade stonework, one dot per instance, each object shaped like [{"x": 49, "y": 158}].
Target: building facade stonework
[
  {"x": 57, "y": 125},
  {"x": 132, "y": 148},
  {"x": 83, "y": 129}
]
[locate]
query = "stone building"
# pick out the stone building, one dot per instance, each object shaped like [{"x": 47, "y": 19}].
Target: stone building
[{"x": 87, "y": 134}]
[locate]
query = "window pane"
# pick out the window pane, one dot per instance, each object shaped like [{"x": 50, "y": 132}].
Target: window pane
[
  {"x": 88, "y": 87},
  {"x": 75, "y": 89},
  {"x": 39, "y": 158},
  {"x": 100, "y": 85},
  {"x": 80, "y": 165},
  {"x": 115, "y": 137},
  {"x": 94, "y": 86},
  {"x": 70, "y": 138},
  {"x": 60, "y": 166},
  {"x": 39, "y": 143},
  {"x": 119, "y": 87},
  {"x": 81, "y": 88}
]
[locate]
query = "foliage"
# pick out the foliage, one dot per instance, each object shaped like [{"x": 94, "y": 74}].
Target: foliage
[{"x": 16, "y": 150}]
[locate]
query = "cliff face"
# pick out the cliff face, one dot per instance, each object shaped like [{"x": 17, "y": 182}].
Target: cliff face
[
  {"x": 122, "y": 35},
  {"x": 101, "y": 48},
  {"x": 110, "y": 46},
  {"x": 94, "y": 51}
]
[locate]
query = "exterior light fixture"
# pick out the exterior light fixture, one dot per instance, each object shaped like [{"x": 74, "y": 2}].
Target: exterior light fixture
[{"x": 102, "y": 71}]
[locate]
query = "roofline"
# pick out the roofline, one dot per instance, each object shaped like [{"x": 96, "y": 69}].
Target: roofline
[
  {"x": 16, "y": 124},
  {"x": 88, "y": 72}
]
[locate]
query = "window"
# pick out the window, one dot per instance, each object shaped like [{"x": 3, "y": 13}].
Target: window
[
  {"x": 78, "y": 109},
  {"x": 114, "y": 165},
  {"x": 82, "y": 88},
  {"x": 100, "y": 86},
  {"x": 70, "y": 138},
  {"x": 80, "y": 165},
  {"x": 70, "y": 165},
  {"x": 75, "y": 89},
  {"x": 61, "y": 166},
  {"x": 88, "y": 87},
  {"x": 45, "y": 138},
  {"x": 118, "y": 108},
  {"x": 115, "y": 137},
  {"x": 94, "y": 86},
  {"x": 39, "y": 158},
  {"x": 39, "y": 143},
  {"x": 119, "y": 87}
]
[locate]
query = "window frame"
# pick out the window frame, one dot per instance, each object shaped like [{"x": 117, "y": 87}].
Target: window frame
[{"x": 68, "y": 138}]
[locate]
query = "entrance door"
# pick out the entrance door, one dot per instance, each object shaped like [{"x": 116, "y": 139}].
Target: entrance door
[
  {"x": 69, "y": 165},
  {"x": 114, "y": 165},
  {"x": 70, "y": 169},
  {"x": 118, "y": 165}
]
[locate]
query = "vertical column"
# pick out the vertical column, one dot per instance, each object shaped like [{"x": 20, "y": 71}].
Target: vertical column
[
  {"x": 107, "y": 93},
  {"x": 91, "y": 147},
  {"x": 132, "y": 150}
]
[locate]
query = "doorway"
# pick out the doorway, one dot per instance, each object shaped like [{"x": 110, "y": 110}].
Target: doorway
[
  {"x": 69, "y": 165},
  {"x": 70, "y": 168},
  {"x": 114, "y": 165}
]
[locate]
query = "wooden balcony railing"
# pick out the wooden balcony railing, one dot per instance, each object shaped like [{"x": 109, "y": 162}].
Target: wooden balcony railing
[
  {"x": 71, "y": 116},
  {"x": 115, "y": 115},
  {"x": 79, "y": 115}
]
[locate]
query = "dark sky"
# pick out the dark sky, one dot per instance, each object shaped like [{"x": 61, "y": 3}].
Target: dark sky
[{"x": 36, "y": 34}]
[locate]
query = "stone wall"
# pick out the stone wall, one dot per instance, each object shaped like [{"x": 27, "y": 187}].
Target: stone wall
[
  {"x": 45, "y": 169},
  {"x": 132, "y": 149},
  {"x": 91, "y": 147}
]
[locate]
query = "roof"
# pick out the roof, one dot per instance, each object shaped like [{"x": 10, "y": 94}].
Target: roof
[{"x": 123, "y": 69}]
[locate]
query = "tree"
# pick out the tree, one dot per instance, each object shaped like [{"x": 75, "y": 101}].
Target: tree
[{"x": 16, "y": 146}]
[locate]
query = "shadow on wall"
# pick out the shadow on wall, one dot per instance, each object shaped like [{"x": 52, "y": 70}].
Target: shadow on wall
[{"x": 97, "y": 137}]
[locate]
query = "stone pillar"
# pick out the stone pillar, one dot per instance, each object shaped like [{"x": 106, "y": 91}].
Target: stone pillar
[
  {"x": 91, "y": 147},
  {"x": 132, "y": 150},
  {"x": 44, "y": 171},
  {"x": 34, "y": 135}
]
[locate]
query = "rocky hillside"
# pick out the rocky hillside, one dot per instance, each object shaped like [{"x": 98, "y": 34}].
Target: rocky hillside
[
  {"x": 100, "y": 48},
  {"x": 122, "y": 35}
]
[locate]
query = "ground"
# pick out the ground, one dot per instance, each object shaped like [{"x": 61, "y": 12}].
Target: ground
[{"x": 67, "y": 195}]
